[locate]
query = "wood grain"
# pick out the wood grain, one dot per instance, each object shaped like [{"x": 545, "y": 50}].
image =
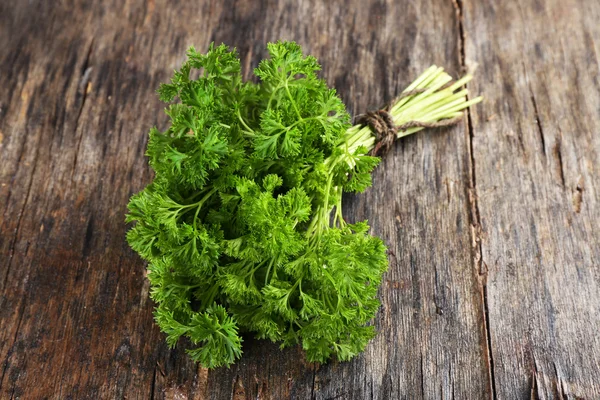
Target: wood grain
[
  {"x": 493, "y": 287},
  {"x": 536, "y": 147}
]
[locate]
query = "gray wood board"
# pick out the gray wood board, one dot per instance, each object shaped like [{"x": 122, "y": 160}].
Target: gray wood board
[
  {"x": 536, "y": 150},
  {"x": 493, "y": 283}
]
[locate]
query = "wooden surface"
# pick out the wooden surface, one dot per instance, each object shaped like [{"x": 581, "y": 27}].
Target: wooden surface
[{"x": 493, "y": 289}]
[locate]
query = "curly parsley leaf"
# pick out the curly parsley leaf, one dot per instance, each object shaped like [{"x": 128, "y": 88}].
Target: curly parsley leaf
[{"x": 237, "y": 226}]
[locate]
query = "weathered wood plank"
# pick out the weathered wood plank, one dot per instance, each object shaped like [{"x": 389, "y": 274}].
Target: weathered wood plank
[
  {"x": 76, "y": 318},
  {"x": 431, "y": 343},
  {"x": 380, "y": 373},
  {"x": 75, "y": 315},
  {"x": 536, "y": 148}
]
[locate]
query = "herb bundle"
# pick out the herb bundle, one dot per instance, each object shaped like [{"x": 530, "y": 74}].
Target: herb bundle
[{"x": 242, "y": 225}]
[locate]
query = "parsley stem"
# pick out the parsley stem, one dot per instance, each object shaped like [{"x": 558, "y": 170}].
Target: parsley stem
[
  {"x": 201, "y": 202},
  {"x": 287, "y": 89},
  {"x": 192, "y": 197},
  {"x": 250, "y": 130},
  {"x": 435, "y": 103},
  {"x": 210, "y": 295},
  {"x": 268, "y": 271}
]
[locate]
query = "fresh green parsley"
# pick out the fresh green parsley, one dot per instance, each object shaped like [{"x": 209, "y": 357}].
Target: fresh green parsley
[{"x": 242, "y": 226}]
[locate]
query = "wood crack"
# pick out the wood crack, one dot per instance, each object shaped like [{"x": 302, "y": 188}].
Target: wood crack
[
  {"x": 153, "y": 386},
  {"x": 451, "y": 378},
  {"x": 422, "y": 376},
  {"x": 557, "y": 152},
  {"x": 538, "y": 122},
  {"x": 578, "y": 196},
  {"x": 556, "y": 149},
  {"x": 84, "y": 86},
  {"x": 489, "y": 338},
  {"x": 534, "y": 385},
  {"x": 474, "y": 212},
  {"x": 458, "y": 11},
  {"x": 560, "y": 387},
  {"x": 439, "y": 303},
  {"x": 312, "y": 390}
]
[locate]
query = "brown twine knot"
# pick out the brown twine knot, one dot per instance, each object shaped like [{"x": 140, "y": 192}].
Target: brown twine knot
[{"x": 382, "y": 124}]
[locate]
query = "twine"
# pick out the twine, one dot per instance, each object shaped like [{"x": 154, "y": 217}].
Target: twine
[{"x": 382, "y": 124}]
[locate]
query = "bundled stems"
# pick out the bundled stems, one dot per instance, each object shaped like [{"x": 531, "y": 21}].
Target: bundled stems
[
  {"x": 439, "y": 101},
  {"x": 432, "y": 98}
]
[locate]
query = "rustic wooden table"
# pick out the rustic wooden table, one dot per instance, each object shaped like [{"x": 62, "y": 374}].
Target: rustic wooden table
[{"x": 493, "y": 289}]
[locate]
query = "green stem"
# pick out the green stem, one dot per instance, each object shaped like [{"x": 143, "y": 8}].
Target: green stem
[
  {"x": 435, "y": 103},
  {"x": 210, "y": 296},
  {"x": 268, "y": 271},
  {"x": 287, "y": 90},
  {"x": 201, "y": 202},
  {"x": 250, "y": 130}
]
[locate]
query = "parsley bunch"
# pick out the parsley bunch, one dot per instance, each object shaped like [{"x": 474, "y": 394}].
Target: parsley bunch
[{"x": 242, "y": 226}]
